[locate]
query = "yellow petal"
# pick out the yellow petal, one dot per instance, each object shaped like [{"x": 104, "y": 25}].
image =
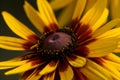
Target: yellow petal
[
  {"x": 111, "y": 33},
  {"x": 89, "y": 4},
  {"x": 116, "y": 65},
  {"x": 113, "y": 57},
  {"x": 50, "y": 67},
  {"x": 95, "y": 72},
  {"x": 93, "y": 14},
  {"x": 17, "y": 27},
  {"x": 12, "y": 63},
  {"x": 23, "y": 68},
  {"x": 111, "y": 68},
  {"x": 5, "y": 67},
  {"x": 66, "y": 73},
  {"x": 102, "y": 47},
  {"x": 34, "y": 75},
  {"x": 12, "y": 43},
  {"x": 80, "y": 5},
  {"x": 33, "y": 16},
  {"x": 77, "y": 61},
  {"x": 47, "y": 14},
  {"x": 117, "y": 50},
  {"x": 103, "y": 18},
  {"x": 66, "y": 14},
  {"x": 49, "y": 76},
  {"x": 57, "y": 4},
  {"x": 115, "y": 8},
  {"x": 17, "y": 61},
  {"x": 106, "y": 27}
]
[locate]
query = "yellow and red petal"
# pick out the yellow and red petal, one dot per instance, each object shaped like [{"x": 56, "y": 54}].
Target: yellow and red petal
[
  {"x": 33, "y": 16},
  {"x": 49, "y": 76},
  {"x": 64, "y": 70},
  {"x": 79, "y": 8},
  {"x": 109, "y": 67},
  {"x": 33, "y": 76},
  {"x": 50, "y": 67},
  {"x": 47, "y": 15},
  {"x": 25, "y": 67},
  {"x": 93, "y": 14},
  {"x": 102, "y": 47},
  {"x": 112, "y": 57},
  {"x": 76, "y": 61},
  {"x": 19, "y": 28},
  {"x": 13, "y": 43},
  {"x": 94, "y": 71}
]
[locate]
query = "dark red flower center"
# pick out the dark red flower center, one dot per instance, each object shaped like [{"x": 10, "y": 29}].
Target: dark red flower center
[
  {"x": 58, "y": 44},
  {"x": 57, "y": 41}
]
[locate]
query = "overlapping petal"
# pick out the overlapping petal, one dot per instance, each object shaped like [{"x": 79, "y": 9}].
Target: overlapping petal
[
  {"x": 114, "y": 8},
  {"x": 13, "y": 43},
  {"x": 58, "y": 4},
  {"x": 94, "y": 71},
  {"x": 93, "y": 14},
  {"x": 77, "y": 61},
  {"x": 33, "y": 16},
  {"x": 64, "y": 71},
  {"x": 102, "y": 47},
  {"x": 25, "y": 67},
  {"x": 47, "y": 15},
  {"x": 19, "y": 28},
  {"x": 50, "y": 67}
]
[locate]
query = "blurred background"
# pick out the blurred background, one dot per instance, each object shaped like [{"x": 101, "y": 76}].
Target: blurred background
[{"x": 15, "y": 7}]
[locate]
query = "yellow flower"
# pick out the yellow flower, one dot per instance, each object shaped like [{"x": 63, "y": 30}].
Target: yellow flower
[{"x": 76, "y": 47}]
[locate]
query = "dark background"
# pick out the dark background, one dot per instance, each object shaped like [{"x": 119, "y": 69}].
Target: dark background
[{"x": 15, "y": 7}]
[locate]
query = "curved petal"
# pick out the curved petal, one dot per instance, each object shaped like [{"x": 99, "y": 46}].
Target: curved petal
[
  {"x": 103, "y": 18},
  {"x": 58, "y": 4},
  {"x": 18, "y": 28},
  {"x": 111, "y": 68},
  {"x": 77, "y": 61},
  {"x": 64, "y": 71},
  {"x": 89, "y": 4},
  {"x": 47, "y": 15},
  {"x": 113, "y": 57},
  {"x": 93, "y": 14},
  {"x": 50, "y": 67},
  {"x": 12, "y": 43},
  {"x": 33, "y": 16},
  {"x": 49, "y": 76},
  {"x": 34, "y": 75},
  {"x": 66, "y": 14},
  {"x": 115, "y": 8},
  {"x": 25, "y": 67},
  {"x": 106, "y": 27},
  {"x": 80, "y": 5},
  {"x": 95, "y": 72},
  {"x": 102, "y": 47},
  {"x": 12, "y": 63},
  {"x": 111, "y": 33}
]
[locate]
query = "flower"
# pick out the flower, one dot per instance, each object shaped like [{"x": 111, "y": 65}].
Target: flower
[{"x": 76, "y": 47}]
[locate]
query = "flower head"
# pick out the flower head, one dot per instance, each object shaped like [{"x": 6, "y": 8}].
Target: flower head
[{"x": 77, "y": 46}]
